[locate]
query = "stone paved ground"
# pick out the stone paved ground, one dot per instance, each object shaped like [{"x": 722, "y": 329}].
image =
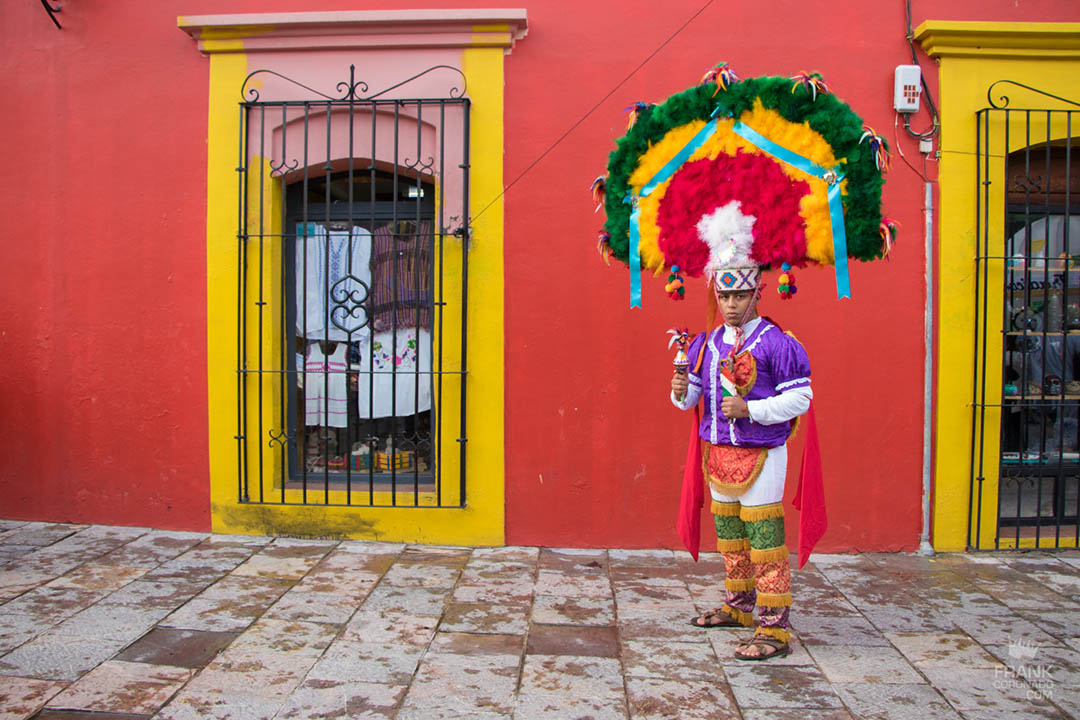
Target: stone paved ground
[{"x": 134, "y": 623}]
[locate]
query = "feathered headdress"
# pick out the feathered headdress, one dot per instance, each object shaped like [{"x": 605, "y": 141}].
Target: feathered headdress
[{"x": 745, "y": 173}]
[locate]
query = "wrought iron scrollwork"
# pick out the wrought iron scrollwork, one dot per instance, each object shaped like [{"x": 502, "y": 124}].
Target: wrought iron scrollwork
[
  {"x": 351, "y": 90},
  {"x": 349, "y": 296},
  {"x": 419, "y": 165},
  {"x": 283, "y": 168},
  {"x": 1027, "y": 183},
  {"x": 281, "y": 439},
  {"x": 1004, "y": 99}
]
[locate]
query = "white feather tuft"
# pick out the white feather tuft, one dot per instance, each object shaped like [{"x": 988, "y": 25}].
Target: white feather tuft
[{"x": 729, "y": 235}]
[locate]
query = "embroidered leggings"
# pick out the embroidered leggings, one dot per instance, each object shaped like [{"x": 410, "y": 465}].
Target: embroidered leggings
[{"x": 751, "y": 540}]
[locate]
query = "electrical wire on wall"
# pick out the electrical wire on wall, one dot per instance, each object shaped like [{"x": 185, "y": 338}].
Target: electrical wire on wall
[
  {"x": 594, "y": 108},
  {"x": 925, "y": 137},
  {"x": 930, "y": 106}
]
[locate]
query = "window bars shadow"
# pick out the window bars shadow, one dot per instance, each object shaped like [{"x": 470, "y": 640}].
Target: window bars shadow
[
  {"x": 352, "y": 292},
  {"x": 1025, "y": 442}
]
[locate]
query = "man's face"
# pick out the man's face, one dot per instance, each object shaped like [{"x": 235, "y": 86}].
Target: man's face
[{"x": 733, "y": 305}]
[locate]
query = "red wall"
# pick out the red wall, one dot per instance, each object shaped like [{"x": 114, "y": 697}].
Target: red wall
[
  {"x": 102, "y": 298},
  {"x": 103, "y": 293},
  {"x": 595, "y": 449}
]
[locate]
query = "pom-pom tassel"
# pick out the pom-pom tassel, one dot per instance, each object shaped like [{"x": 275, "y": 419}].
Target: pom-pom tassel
[
  {"x": 633, "y": 111},
  {"x": 877, "y": 146},
  {"x": 599, "y": 191},
  {"x": 722, "y": 75},
  {"x": 813, "y": 82},
  {"x": 887, "y": 230},
  {"x": 603, "y": 246},
  {"x": 785, "y": 284},
  {"x": 675, "y": 285}
]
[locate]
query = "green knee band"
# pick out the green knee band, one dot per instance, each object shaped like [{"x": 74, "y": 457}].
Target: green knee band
[
  {"x": 729, "y": 527},
  {"x": 765, "y": 534}
]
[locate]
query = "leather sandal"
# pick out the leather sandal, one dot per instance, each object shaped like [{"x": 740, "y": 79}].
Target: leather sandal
[
  {"x": 764, "y": 644},
  {"x": 713, "y": 619}
]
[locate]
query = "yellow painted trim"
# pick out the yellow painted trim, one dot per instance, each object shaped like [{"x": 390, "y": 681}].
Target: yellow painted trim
[
  {"x": 221, "y": 39},
  {"x": 481, "y": 522},
  {"x": 1045, "y": 543},
  {"x": 366, "y": 29},
  {"x": 1034, "y": 40},
  {"x": 964, "y": 78}
]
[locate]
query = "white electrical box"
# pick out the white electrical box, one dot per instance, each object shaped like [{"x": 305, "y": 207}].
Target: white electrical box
[{"x": 907, "y": 86}]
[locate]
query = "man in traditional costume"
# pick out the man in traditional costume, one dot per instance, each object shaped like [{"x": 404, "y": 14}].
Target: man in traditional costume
[
  {"x": 753, "y": 381},
  {"x": 722, "y": 180}
]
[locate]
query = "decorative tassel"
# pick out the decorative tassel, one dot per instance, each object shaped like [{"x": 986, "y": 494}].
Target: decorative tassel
[
  {"x": 724, "y": 509},
  {"x": 603, "y": 246},
  {"x": 740, "y": 584},
  {"x": 674, "y": 287},
  {"x": 722, "y": 75},
  {"x": 776, "y": 554},
  {"x": 887, "y": 230},
  {"x": 813, "y": 82},
  {"x": 633, "y": 111},
  {"x": 731, "y": 546},
  {"x": 761, "y": 512},
  {"x": 599, "y": 191},
  {"x": 774, "y": 600},
  {"x": 877, "y": 146},
  {"x": 745, "y": 619},
  {"x": 774, "y": 632},
  {"x": 785, "y": 284}
]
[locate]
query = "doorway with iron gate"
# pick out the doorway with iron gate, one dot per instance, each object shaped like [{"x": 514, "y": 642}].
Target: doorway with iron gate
[{"x": 1025, "y": 451}]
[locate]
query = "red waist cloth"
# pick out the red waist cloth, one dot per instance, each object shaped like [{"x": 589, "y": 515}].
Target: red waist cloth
[{"x": 809, "y": 497}]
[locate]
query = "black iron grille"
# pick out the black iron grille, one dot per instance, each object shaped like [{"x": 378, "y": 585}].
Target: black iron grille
[
  {"x": 1028, "y": 291},
  {"x": 352, "y": 295}
]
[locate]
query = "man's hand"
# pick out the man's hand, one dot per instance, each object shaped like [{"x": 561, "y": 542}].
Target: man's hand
[
  {"x": 734, "y": 406},
  {"x": 679, "y": 385}
]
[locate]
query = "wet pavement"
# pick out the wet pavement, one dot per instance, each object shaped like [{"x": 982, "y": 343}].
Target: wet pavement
[{"x": 134, "y": 623}]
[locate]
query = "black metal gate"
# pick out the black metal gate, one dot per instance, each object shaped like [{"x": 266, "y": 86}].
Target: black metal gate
[
  {"x": 352, "y": 293},
  {"x": 1025, "y": 453}
]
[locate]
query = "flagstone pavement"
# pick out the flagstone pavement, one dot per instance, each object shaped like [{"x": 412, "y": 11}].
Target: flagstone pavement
[{"x": 104, "y": 623}]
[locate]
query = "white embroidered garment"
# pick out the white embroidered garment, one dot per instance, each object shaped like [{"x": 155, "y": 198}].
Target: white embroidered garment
[
  {"x": 395, "y": 374},
  {"x": 322, "y": 261},
  {"x": 326, "y": 401}
]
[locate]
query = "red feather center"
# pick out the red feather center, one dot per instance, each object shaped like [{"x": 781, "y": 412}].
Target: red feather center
[{"x": 762, "y": 189}]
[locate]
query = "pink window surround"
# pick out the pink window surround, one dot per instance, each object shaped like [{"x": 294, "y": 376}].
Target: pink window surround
[{"x": 382, "y": 29}]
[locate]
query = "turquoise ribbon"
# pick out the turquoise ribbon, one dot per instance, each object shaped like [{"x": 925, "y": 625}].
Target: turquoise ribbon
[
  {"x": 778, "y": 151},
  {"x": 839, "y": 240},
  {"x": 836, "y": 204},
  {"x": 662, "y": 176},
  {"x": 635, "y": 259},
  {"x": 665, "y": 173}
]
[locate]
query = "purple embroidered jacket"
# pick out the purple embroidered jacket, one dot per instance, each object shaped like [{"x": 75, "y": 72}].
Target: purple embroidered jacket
[{"x": 782, "y": 369}]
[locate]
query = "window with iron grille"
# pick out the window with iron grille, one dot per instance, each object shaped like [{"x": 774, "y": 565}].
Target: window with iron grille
[{"x": 352, "y": 298}]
